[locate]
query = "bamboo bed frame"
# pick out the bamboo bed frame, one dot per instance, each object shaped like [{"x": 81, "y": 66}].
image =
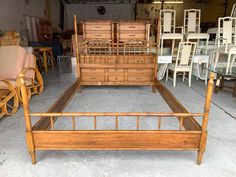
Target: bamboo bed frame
[{"x": 190, "y": 136}]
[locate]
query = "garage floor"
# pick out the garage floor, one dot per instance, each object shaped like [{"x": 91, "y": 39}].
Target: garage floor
[{"x": 219, "y": 158}]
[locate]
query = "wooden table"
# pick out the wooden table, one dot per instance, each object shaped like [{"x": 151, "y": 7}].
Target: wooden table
[
  {"x": 221, "y": 76},
  {"x": 45, "y": 51}
]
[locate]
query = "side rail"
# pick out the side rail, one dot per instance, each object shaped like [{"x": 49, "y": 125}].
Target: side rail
[{"x": 137, "y": 115}]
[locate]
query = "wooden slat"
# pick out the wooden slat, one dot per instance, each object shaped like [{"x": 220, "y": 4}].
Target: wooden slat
[
  {"x": 57, "y": 107},
  {"x": 123, "y": 140},
  {"x": 177, "y": 107}
]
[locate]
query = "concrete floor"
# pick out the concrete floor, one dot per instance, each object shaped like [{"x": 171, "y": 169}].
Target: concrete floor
[{"x": 219, "y": 158}]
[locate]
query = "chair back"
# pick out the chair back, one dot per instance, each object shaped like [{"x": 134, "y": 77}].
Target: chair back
[
  {"x": 167, "y": 18},
  {"x": 12, "y": 61},
  {"x": 185, "y": 53},
  {"x": 192, "y": 20},
  {"x": 30, "y": 62},
  {"x": 226, "y": 31}
]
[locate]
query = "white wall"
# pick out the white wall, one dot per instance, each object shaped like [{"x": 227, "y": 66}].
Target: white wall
[
  {"x": 89, "y": 12},
  {"x": 12, "y": 12}
]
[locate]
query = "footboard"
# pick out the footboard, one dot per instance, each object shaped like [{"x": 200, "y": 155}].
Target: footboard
[{"x": 188, "y": 135}]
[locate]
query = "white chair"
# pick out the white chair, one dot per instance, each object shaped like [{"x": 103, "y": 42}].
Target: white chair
[
  {"x": 192, "y": 20},
  {"x": 184, "y": 62},
  {"x": 168, "y": 29},
  {"x": 233, "y": 11},
  {"x": 226, "y": 43}
]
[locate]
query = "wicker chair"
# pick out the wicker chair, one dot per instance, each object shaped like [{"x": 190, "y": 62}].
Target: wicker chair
[{"x": 13, "y": 61}]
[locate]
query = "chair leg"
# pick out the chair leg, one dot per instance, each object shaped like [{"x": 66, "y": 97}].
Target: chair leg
[
  {"x": 174, "y": 79},
  {"x": 161, "y": 47},
  {"x": 216, "y": 59},
  {"x": 167, "y": 74},
  {"x": 232, "y": 63},
  {"x": 228, "y": 63},
  {"x": 183, "y": 76},
  {"x": 189, "y": 78}
]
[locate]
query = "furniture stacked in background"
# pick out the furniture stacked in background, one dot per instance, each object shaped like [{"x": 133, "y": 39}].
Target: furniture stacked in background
[
  {"x": 224, "y": 45},
  {"x": 191, "y": 32},
  {"x": 14, "y": 61},
  {"x": 123, "y": 57},
  {"x": 132, "y": 30},
  {"x": 98, "y": 30},
  {"x": 168, "y": 29}
]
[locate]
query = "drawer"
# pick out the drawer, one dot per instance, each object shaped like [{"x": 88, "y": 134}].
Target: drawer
[
  {"x": 92, "y": 78},
  {"x": 140, "y": 70},
  {"x": 129, "y": 36},
  {"x": 140, "y": 78},
  {"x": 93, "y": 59},
  {"x": 106, "y": 36},
  {"x": 98, "y": 27},
  {"x": 136, "y": 60},
  {"x": 92, "y": 70},
  {"x": 132, "y": 27},
  {"x": 116, "y": 70},
  {"x": 116, "y": 78}
]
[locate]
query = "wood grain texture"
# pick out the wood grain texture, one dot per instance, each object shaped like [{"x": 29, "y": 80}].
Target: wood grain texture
[{"x": 114, "y": 140}]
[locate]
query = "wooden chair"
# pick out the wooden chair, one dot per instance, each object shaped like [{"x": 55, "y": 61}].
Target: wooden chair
[
  {"x": 226, "y": 43},
  {"x": 184, "y": 61},
  {"x": 168, "y": 29}
]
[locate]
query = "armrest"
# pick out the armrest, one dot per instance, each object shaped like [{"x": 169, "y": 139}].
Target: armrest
[{"x": 8, "y": 84}]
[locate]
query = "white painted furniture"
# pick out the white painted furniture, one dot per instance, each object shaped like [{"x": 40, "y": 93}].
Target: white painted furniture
[
  {"x": 168, "y": 29},
  {"x": 184, "y": 61},
  {"x": 192, "y": 20},
  {"x": 233, "y": 11},
  {"x": 226, "y": 43}
]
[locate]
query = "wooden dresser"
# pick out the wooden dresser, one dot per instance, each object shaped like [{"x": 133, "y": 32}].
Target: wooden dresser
[
  {"x": 103, "y": 30},
  {"x": 133, "y": 30}
]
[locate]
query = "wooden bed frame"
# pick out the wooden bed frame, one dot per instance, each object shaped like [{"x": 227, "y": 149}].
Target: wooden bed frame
[{"x": 189, "y": 136}]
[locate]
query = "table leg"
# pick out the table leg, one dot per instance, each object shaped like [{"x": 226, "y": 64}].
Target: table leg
[
  {"x": 234, "y": 90},
  {"x": 217, "y": 83},
  {"x": 51, "y": 59},
  {"x": 45, "y": 63}
]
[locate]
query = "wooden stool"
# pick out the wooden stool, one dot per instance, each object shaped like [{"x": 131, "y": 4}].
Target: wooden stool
[{"x": 45, "y": 51}]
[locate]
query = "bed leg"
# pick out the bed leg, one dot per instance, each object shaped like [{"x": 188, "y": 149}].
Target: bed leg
[
  {"x": 154, "y": 89},
  {"x": 33, "y": 157},
  {"x": 199, "y": 157},
  {"x": 80, "y": 89}
]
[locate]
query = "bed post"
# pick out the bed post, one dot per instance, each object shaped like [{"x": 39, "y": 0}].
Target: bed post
[
  {"x": 156, "y": 61},
  {"x": 77, "y": 47},
  {"x": 202, "y": 145},
  {"x": 29, "y": 135}
]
